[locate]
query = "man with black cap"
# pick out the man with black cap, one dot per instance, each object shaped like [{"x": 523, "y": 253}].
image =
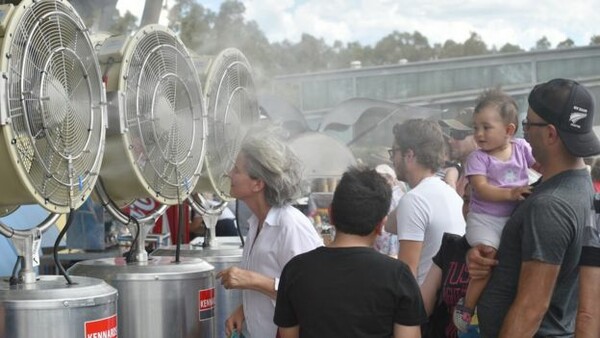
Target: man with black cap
[{"x": 532, "y": 289}]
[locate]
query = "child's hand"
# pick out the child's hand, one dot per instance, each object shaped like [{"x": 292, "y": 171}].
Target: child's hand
[{"x": 520, "y": 193}]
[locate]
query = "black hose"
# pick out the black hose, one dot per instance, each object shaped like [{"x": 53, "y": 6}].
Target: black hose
[
  {"x": 237, "y": 221},
  {"x": 62, "y": 233},
  {"x": 179, "y": 232},
  {"x": 14, "y": 279},
  {"x": 129, "y": 257}
]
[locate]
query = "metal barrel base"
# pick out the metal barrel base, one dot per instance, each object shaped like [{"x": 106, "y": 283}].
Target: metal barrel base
[
  {"x": 52, "y": 308},
  {"x": 225, "y": 253},
  {"x": 159, "y": 298}
]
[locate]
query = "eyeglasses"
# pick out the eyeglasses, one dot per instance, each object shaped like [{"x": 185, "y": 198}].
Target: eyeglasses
[
  {"x": 526, "y": 124},
  {"x": 392, "y": 151}
]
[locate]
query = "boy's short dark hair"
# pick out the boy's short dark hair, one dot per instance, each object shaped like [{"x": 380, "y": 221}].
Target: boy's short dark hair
[{"x": 360, "y": 201}]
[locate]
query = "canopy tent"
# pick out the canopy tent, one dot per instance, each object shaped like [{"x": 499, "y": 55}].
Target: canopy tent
[{"x": 282, "y": 112}]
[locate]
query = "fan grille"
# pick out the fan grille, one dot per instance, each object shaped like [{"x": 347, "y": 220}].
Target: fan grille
[
  {"x": 164, "y": 114},
  {"x": 55, "y": 99},
  {"x": 232, "y": 109}
]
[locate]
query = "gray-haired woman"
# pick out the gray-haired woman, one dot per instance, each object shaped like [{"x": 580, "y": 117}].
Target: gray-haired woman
[{"x": 267, "y": 177}]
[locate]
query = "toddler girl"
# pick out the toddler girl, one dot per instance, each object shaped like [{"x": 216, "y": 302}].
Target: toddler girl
[{"x": 497, "y": 173}]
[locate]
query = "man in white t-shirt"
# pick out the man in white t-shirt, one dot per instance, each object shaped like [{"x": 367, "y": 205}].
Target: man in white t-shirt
[{"x": 431, "y": 207}]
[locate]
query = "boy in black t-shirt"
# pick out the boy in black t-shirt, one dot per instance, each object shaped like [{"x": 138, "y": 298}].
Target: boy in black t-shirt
[{"x": 348, "y": 289}]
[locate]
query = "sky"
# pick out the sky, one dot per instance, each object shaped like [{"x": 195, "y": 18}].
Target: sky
[{"x": 519, "y": 22}]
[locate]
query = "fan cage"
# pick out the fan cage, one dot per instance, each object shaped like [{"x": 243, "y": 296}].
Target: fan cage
[
  {"x": 233, "y": 108},
  {"x": 163, "y": 115},
  {"x": 55, "y": 104}
]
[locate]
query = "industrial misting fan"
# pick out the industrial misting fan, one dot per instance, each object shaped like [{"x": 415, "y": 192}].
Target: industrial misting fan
[
  {"x": 154, "y": 148},
  {"x": 232, "y": 109},
  {"x": 52, "y": 136}
]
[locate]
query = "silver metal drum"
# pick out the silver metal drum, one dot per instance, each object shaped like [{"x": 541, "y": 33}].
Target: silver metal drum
[
  {"x": 51, "y": 308},
  {"x": 225, "y": 252},
  {"x": 159, "y": 298}
]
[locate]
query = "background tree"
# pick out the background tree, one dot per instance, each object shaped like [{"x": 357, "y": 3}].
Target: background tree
[
  {"x": 510, "y": 48},
  {"x": 230, "y": 29},
  {"x": 390, "y": 48},
  {"x": 451, "y": 49},
  {"x": 568, "y": 43},
  {"x": 474, "y": 45},
  {"x": 193, "y": 23},
  {"x": 595, "y": 40},
  {"x": 402, "y": 46},
  {"x": 124, "y": 25},
  {"x": 542, "y": 44},
  {"x": 353, "y": 51},
  {"x": 314, "y": 53}
]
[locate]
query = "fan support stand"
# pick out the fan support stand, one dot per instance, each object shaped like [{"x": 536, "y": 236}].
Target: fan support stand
[
  {"x": 23, "y": 241},
  {"x": 210, "y": 215},
  {"x": 143, "y": 225}
]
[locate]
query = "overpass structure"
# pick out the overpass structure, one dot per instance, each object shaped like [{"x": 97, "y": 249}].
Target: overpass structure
[{"x": 448, "y": 85}]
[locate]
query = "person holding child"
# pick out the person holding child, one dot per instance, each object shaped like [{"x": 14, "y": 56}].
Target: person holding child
[{"x": 533, "y": 284}]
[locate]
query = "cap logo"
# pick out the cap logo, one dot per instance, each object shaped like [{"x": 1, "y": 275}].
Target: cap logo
[{"x": 578, "y": 114}]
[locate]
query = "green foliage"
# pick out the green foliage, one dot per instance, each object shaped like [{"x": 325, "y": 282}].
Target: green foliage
[
  {"x": 124, "y": 25},
  {"x": 451, "y": 49},
  {"x": 568, "y": 43},
  {"x": 192, "y": 22},
  {"x": 542, "y": 44},
  {"x": 402, "y": 46},
  {"x": 474, "y": 45},
  {"x": 510, "y": 48}
]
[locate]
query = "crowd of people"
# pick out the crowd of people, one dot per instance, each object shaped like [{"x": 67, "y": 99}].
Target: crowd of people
[{"x": 472, "y": 248}]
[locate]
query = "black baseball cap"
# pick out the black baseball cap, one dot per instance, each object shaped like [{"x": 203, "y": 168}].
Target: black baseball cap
[{"x": 568, "y": 106}]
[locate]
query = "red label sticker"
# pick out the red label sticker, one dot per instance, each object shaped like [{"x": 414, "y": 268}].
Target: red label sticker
[
  {"x": 206, "y": 303},
  {"x": 102, "y": 328}
]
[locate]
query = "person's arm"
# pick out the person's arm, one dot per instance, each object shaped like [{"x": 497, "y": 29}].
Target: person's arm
[
  {"x": 588, "y": 325},
  {"x": 492, "y": 193},
  {"x": 236, "y": 278},
  {"x": 536, "y": 285},
  {"x": 197, "y": 226},
  {"x": 410, "y": 252},
  {"x": 430, "y": 287},
  {"x": 289, "y": 332},
  {"x": 235, "y": 321},
  {"x": 391, "y": 225},
  {"x": 412, "y": 215},
  {"x": 480, "y": 261},
  {"x": 401, "y": 331},
  {"x": 451, "y": 176}
]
